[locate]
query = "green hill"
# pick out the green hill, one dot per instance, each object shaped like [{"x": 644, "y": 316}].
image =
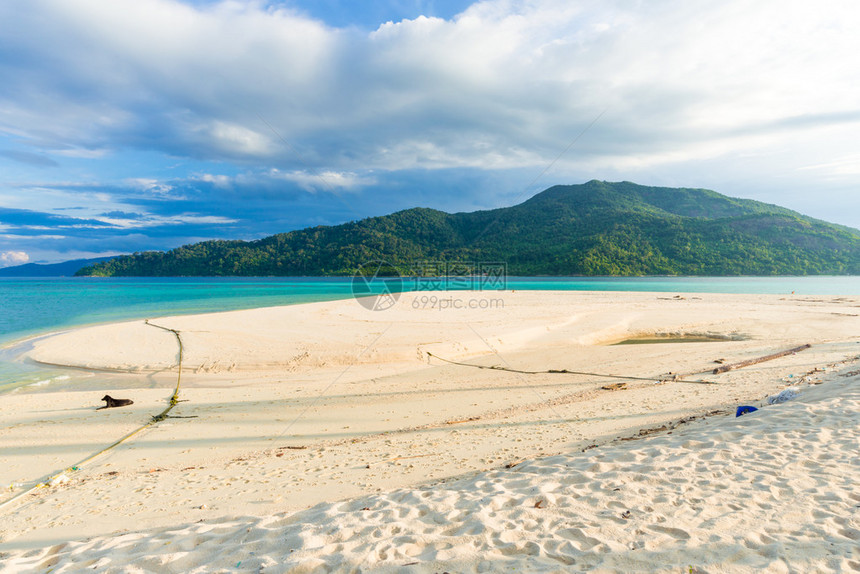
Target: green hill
[{"x": 597, "y": 228}]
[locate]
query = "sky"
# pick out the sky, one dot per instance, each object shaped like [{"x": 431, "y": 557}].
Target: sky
[{"x": 133, "y": 125}]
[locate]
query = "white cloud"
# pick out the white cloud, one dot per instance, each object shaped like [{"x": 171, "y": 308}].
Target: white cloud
[
  {"x": 505, "y": 83},
  {"x": 12, "y": 236},
  {"x": 10, "y": 258},
  {"x": 150, "y": 186},
  {"x": 217, "y": 180},
  {"x": 82, "y": 153},
  {"x": 843, "y": 166},
  {"x": 683, "y": 86},
  {"x": 61, "y": 198},
  {"x": 238, "y": 140},
  {"x": 142, "y": 221},
  {"x": 311, "y": 181},
  {"x": 328, "y": 180}
]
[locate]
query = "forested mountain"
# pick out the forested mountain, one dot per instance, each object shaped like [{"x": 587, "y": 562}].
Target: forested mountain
[{"x": 597, "y": 228}]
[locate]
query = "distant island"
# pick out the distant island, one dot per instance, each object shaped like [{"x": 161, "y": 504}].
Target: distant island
[
  {"x": 64, "y": 269},
  {"x": 597, "y": 228}
]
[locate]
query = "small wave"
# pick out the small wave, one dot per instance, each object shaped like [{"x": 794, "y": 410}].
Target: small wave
[
  {"x": 44, "y": 382},
  {"x": 19, "y": 386}
]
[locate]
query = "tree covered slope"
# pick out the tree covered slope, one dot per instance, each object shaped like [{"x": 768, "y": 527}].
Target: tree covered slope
[{"x": 597, "y": 228}]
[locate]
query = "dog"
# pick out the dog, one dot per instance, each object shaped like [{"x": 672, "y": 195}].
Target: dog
[{"x": 112, "y": 402}]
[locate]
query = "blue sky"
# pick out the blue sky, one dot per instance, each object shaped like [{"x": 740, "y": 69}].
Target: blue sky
[{"x": 146, "y": 124}]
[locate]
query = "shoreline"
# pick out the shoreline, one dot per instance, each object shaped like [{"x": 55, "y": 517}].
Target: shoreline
[
  {"x": 346, "y": 296},
  {"x": 305, "y": 405}
]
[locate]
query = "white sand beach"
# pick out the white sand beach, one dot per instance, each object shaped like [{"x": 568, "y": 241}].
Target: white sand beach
[{"x": 328, "y": 437}]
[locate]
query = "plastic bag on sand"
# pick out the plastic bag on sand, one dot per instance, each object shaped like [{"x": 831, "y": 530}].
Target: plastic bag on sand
[
  {"x": 744, "y": 410},
  {"x": 59, "y": 479},
  {"x": 785, "y": 395}
]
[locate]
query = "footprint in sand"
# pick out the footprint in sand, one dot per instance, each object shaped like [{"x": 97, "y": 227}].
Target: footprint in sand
[
  {"x": 675, "y": 533},
  {"x": 581, "y": 541}
]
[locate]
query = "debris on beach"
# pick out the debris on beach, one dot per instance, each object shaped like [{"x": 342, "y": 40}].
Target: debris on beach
[
  {"x": 755, "y": 361},
  {"x": 59, "y": 479},
  {"x": 614, "y": 386},
  {"x": 460, "y": 421},
  {"x": 646, "y": 432},
  {"x": 783, "y": 396}
]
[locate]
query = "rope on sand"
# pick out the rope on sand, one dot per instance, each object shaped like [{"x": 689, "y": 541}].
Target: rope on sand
[
  {"x": 662, "y": 379},
  {"x": 175, "y": 397},
  {"x": 54, "y": 478}
]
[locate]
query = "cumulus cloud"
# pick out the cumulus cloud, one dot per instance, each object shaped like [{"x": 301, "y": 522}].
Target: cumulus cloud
[
  {"x": 504, "y": 83},
  {"x": 286, "y": 121},
  {"x": 10, "y": 258}
]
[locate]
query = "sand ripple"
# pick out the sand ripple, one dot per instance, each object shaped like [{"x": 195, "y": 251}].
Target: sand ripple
[{"x": 775, "y": 491}]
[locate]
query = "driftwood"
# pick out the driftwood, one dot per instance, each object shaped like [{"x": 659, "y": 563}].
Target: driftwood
[
  {"x": 460, "y": 421},
  {"x": 749, "y": 362},
  {"x": 614, "y": 387}
]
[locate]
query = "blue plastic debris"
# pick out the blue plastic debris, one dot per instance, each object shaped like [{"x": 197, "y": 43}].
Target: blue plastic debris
[{"x": 744, "y": 410}]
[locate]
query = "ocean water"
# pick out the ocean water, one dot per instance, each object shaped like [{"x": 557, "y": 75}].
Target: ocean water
[{"x": 32, "y": 307}]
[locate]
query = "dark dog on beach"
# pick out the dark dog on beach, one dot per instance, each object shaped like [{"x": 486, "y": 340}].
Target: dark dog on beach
[{"x": 112, "y": 402}]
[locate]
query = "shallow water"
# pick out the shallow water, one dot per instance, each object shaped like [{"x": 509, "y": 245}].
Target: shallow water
[
  {"x": 32, "y": 307},
  {"x": 658, "y": 340}
]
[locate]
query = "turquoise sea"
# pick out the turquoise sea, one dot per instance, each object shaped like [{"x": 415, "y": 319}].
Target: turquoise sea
[{"x": 32, "y": 307}]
